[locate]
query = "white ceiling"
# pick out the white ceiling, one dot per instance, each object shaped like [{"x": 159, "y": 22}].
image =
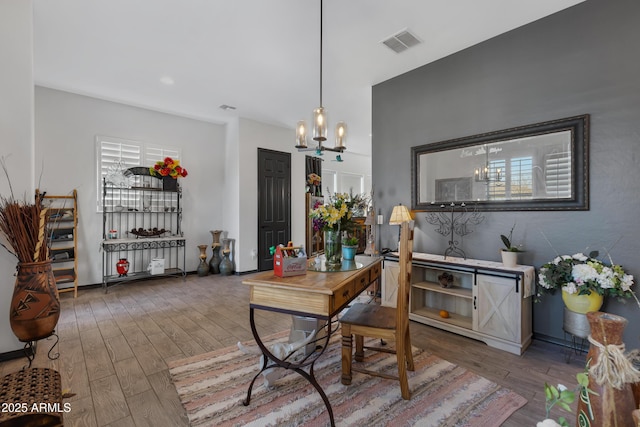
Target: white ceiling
[{"x": 261, "y": 56}]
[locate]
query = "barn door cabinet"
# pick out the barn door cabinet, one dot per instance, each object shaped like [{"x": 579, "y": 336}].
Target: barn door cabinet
[{"x": 484, "y": 300}]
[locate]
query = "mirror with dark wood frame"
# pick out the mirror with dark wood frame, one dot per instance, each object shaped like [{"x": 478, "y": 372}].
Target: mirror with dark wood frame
[{"x": 543, "y": 166}]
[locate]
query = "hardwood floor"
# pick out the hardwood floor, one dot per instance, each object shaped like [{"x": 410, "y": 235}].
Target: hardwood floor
[{"x": 114, "y": 348}]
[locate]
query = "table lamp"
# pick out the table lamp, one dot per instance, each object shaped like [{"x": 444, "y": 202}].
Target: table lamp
[{"x": 399, "y": 215}]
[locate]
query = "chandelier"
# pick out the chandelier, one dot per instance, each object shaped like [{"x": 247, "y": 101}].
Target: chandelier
[
  {"x": 319, "y": 122},
  {"x": 487, "y": 175},
  {"x": 488, "y": 172}
]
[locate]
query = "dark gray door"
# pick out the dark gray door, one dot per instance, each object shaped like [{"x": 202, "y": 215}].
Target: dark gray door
[{"x": 274, "y": 203}]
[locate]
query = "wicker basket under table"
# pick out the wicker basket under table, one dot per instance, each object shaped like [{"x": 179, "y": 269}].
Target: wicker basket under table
[{"x": 32, "y": 386}]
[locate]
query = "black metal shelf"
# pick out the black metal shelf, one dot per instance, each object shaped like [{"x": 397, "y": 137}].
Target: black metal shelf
[
  {"x": 141, "y": 210},
  {"x": 143, "y": 275}
]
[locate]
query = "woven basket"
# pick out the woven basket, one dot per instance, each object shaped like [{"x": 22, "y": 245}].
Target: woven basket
[{"x": 37, "y": 394}]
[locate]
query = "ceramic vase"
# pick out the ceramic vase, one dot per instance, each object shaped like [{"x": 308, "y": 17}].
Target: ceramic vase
[
  {"x": 226, "y": 266},
  {"x": 349, "y": 252},
  {"x": 333, "y": 248},
  {"x": 509, "y": 258},
  {"x": 203, "y": 267},
  {"x": 230, "y": 245},
  {"x": 122, "y": 267},
  {"x": 214, "y": 262},
  {"x": 582, "y": 303},
  {"x": 609, "y": 406},
  {"x": 35, "y": 305}
]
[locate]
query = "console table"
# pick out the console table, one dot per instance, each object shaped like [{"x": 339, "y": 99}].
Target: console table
[
  {"x": 321, "y": 295},
  {"x": 484, "y": 300}
]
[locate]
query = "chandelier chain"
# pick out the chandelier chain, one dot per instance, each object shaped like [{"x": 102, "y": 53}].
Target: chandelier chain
[{"x": 320, "y": 53}]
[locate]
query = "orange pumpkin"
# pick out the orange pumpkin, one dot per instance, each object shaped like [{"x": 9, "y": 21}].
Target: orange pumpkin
[{"x": 444, "y": 314}]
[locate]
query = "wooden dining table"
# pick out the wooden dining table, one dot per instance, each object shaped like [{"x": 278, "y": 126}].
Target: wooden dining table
[{"x": 320, "y": 293}]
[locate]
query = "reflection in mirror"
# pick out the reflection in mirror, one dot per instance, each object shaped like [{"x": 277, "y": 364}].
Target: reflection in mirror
[{"x": 536, "y": 167}]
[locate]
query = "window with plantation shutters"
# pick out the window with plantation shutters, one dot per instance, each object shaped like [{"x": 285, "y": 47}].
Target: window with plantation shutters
[
  {"x": 496, "y": 190},
  {"x": 117, "y": 154},
  {"x": 557, "y": 174},
  {"x": 521, "y": 177},
  {"x": 516, "y": 179}
]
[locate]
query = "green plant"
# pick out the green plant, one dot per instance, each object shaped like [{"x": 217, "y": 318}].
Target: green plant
[
  {"x": 507, "y": 241},
  {"x": 563, "y": 397},
  {"x": 350, "y": 241}
]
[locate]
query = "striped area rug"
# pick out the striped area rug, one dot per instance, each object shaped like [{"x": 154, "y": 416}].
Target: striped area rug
[{"x": 212, "y": 387}]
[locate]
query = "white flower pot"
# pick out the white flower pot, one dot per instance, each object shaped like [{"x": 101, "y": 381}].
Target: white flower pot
[{"x": 509, "y": 259}]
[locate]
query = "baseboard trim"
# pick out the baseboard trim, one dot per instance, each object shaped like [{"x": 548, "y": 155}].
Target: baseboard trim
[
  {"x": 242, "y": 273},
  {"x": 555, "y": 340},
  {"x": 17, "y": 354}
]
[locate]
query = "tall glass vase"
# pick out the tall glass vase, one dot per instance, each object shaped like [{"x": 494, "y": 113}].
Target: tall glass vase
[{"x": 333, "y": 248}]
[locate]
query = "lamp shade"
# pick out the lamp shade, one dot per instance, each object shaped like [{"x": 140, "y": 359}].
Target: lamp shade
[
  {"x": 341, "y": 135},
  {"x": 301, "y": 134},
  {"x": 319, "y": 124},
  {"x": 399, "y": 215}
]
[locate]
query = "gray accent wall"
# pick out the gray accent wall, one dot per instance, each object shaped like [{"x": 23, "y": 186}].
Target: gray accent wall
[{"x": 583, "y": 60}]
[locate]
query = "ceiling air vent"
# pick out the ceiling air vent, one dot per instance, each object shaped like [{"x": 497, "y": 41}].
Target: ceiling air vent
[{"x": 401, "y": 41}]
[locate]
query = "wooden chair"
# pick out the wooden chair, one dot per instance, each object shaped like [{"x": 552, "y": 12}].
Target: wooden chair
[{"x": 386, "y": 323}]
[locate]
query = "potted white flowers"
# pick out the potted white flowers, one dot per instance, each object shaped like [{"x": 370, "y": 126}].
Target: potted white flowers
[{"x": 584, "y": 276}]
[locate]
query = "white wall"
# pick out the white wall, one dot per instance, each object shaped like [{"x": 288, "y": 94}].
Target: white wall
[
  {"x": 16, "y": 132},
  {"x": 352, "y": 164},
  {"x": 65, "y": 128},
  {"x": 254, "y": 135},
  {"x": 219, "y": 193}
]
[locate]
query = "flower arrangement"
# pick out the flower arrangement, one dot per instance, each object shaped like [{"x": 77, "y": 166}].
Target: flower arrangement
[
  {"x": 168, "y": 167},
  {"x": 337, "y": 214},
  {"x": 313, "y": 184},
  {"x": 314, "y": 179},
  {"x": 584, "y": 274}
]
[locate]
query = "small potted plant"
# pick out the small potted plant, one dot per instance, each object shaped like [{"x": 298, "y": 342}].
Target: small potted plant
[
  {"x": 509, "y": 252},
  {"x": 349, "y": 248}
]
